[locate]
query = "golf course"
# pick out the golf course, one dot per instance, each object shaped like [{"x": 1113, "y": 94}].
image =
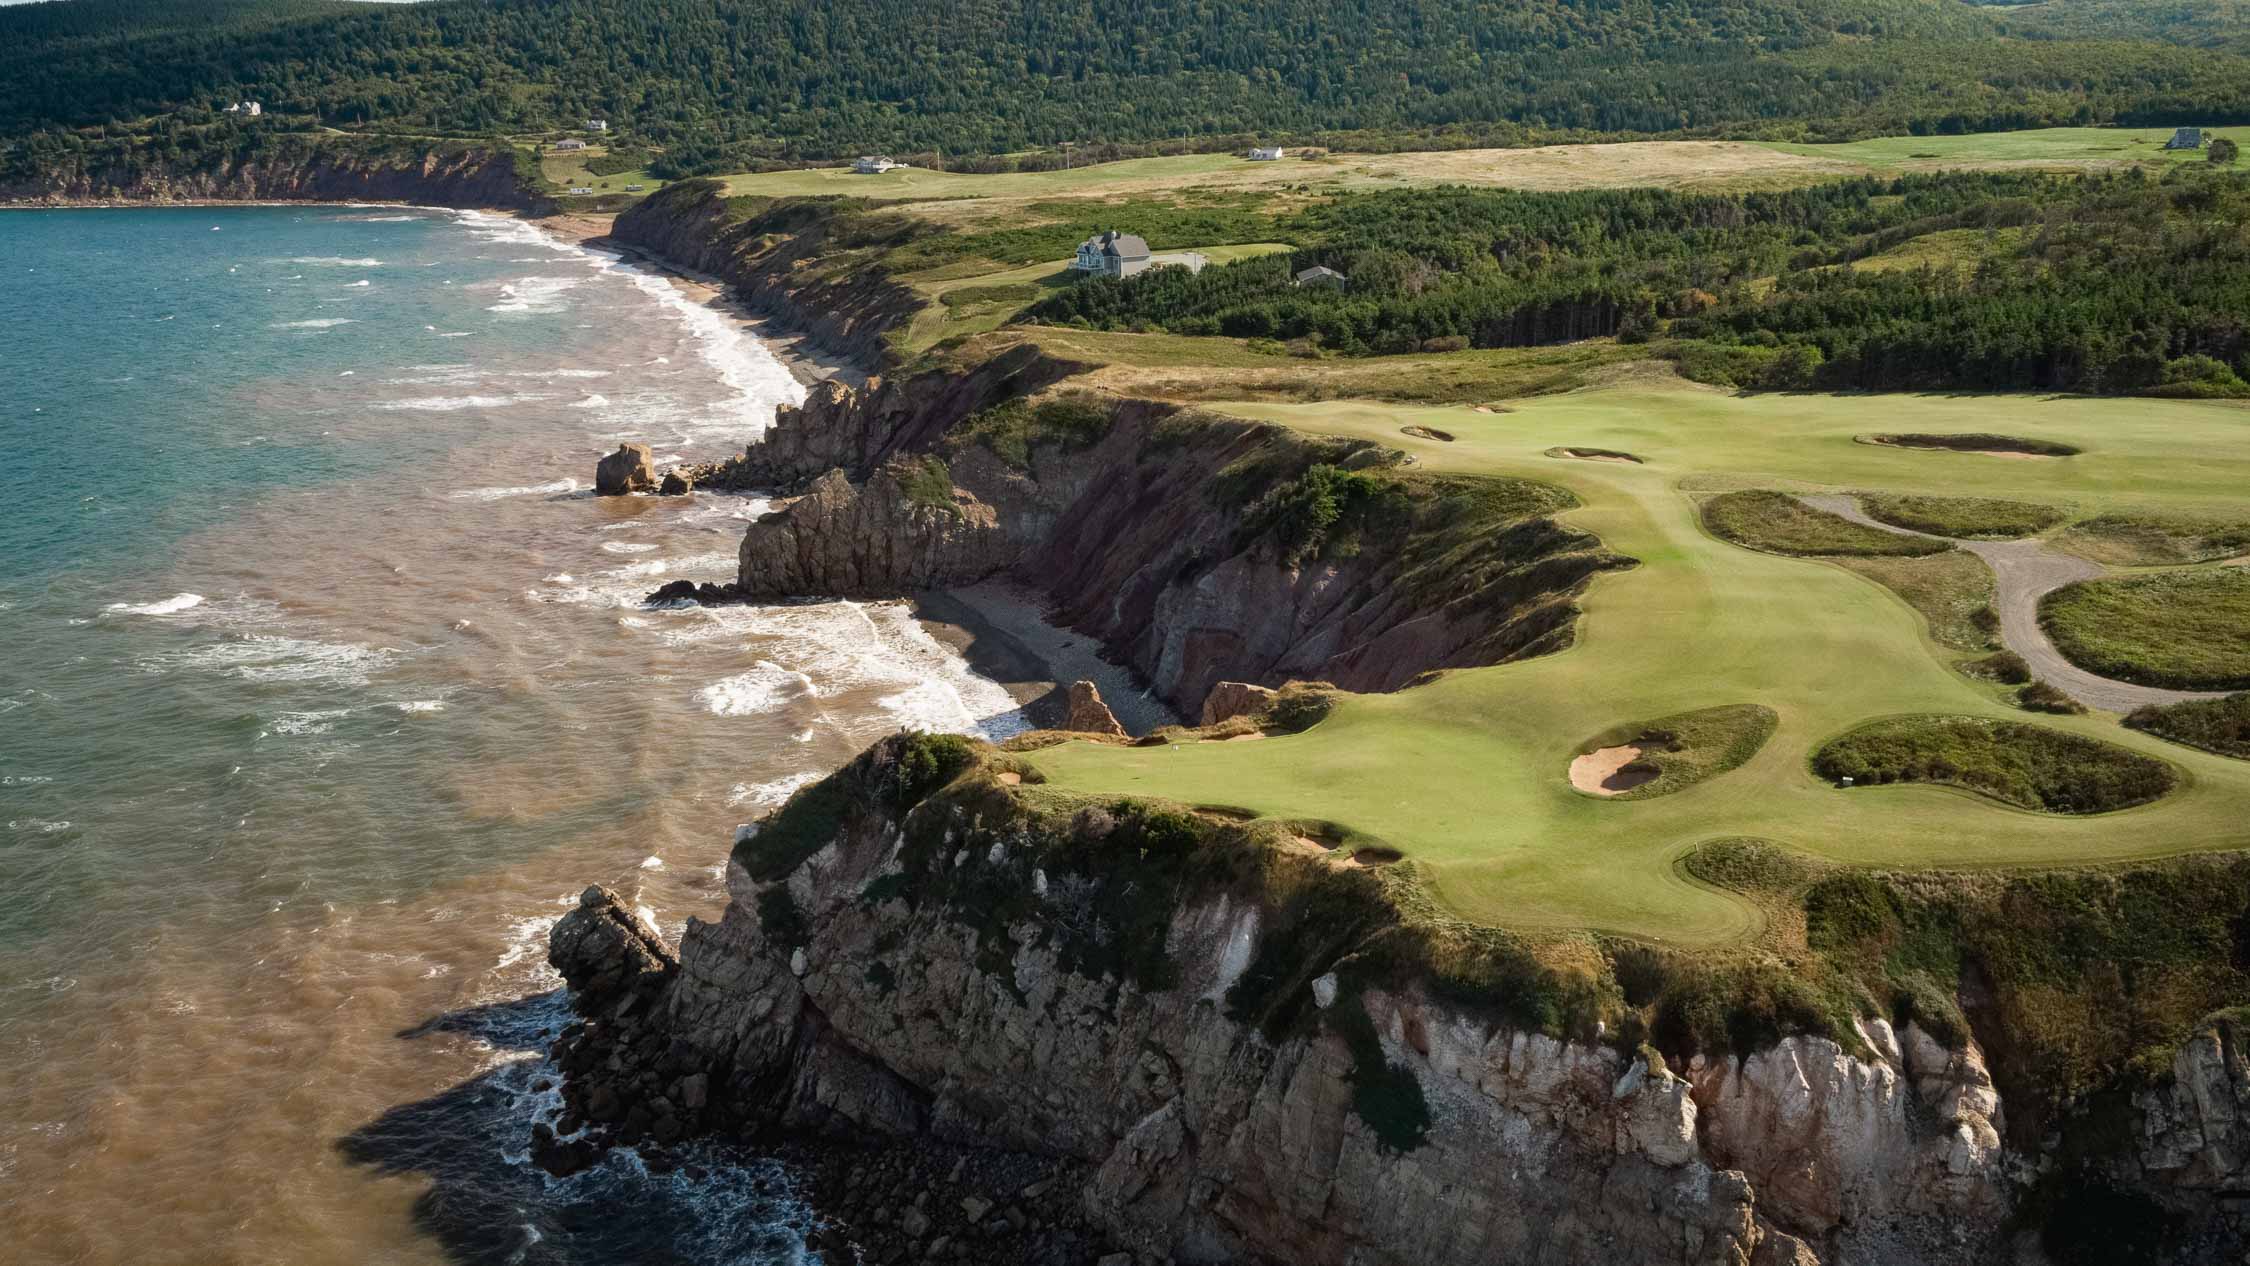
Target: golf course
[{"x": 1468, "y": 774}]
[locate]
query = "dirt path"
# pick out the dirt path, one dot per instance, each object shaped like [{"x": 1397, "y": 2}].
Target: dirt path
[{"x": 2023, "y": 572}]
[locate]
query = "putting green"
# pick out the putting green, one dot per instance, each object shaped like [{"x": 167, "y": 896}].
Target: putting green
[{"x": 1468, "y": 774}]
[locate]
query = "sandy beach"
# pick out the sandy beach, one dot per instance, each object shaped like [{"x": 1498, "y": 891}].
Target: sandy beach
[{"x": 1001, "y": 628}]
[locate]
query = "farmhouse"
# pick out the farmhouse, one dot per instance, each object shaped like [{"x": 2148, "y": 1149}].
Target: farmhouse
[
  {"x": 1274, "y": 154},
  {"x": 2186, "y": 138},
  {"x": 570, "y": 142},
  {"x": 874, "y": 164},
  {"x": 1322, "y": 275},
  {"x": 1112, "y": 254},
  {"x": 597, "y": 125}
]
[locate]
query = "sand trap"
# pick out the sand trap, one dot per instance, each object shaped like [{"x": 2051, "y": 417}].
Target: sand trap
[
  {"x": 1431, "y": 432},
  {"x": 1011, "y": 778},
  {"x": 1594, "y": 455},
  {"x": 1252, "y": 737},
  {"x": 1982, "y": 445},
  {"x": 1603, "y": 772}
]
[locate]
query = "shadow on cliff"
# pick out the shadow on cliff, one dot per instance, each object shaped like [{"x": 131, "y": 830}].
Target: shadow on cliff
[{"x": 488, "y": 1205}]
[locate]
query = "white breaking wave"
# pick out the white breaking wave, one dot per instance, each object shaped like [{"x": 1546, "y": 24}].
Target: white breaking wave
[
  {"x": 274, "y": 658},
  {"x": 763, "y": 689},
  {"x": 761, "y": 383},
  {"x": 169, "y": 606},
  {"x": 626, "y": 547},
  {"x": 534, "y": 294},
  {"x": 350, "y": 285},
  {"x": 528, "y": 490},
  {"x": 320, "y": 324},
  {"x": 304, "y": 723},
  {"x": 336, "y": 261},
  {"x": 769, "y": 795},
  {"x": 411, "y": 706},
  {"x": 448, "y": 404}
]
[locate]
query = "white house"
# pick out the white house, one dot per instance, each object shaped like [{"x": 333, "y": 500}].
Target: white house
[
  {"x": 570, "y": 142},
  {"x": 874, "y": 164},
  {"x": 247, "y": 109},
  {"x": 1112, "y": 254},
  {"x": 597, "y": 125},
  {"x": 1269, "y": 155}
]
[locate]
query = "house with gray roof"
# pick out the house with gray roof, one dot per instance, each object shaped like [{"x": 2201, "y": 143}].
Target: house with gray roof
[
  {"x": 1111, "y": 254},
  {"x": 1322, "y": 275}
]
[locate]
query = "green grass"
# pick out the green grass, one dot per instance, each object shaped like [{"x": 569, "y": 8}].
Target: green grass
[
  {"x": 1779, "y": 523},
  {"x": 1467, "y": 775},
  {"x": 1014, "y": 429},
  {"x": 2146, "y": 540},
  {"x": 1685, "y": 749},
  {"x": 2029, "y": 766},
  {"x": 2071, "y": 145},
  {"x": 2221, "y": 726},
  {"x": 2186, "y": 630},
  {"x": 1952, "y": 590},
  {"x": 1974, "y": 518}
]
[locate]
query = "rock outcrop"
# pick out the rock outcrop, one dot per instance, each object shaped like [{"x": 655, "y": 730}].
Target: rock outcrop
[
  {"x": 847, "y": 994},
  {"x": 901, "y": 531},
  {"x": 632, "y": 468},
  {"x": 1231, "y": 699},
  {"x": 1087, "y": 714}
]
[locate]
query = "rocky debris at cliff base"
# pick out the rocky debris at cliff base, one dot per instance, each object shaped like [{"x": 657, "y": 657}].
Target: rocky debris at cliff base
[
  {"x": 1088, "y": 714},
  {"x": 883, "y": 1202},
  {"x": 676, "y": 484},
  {"x": 632, "y": 468},
  {"x": 705, "y": 592}
]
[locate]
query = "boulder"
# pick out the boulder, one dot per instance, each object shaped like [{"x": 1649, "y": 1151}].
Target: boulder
[
  {"x": 675, "y": 484},
  {"x": 632, "y": 468},
  {"x": 1088, "y": 714},
  {"x": 608, "y": 955},
  {"x": 1231, "y": 699}
]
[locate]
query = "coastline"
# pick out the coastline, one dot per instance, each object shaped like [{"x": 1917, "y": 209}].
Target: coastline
[{"x": 804, "y": 360}]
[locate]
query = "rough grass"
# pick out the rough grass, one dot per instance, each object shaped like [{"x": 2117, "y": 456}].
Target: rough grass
[
  {"x": 2145, "y": 540},
  {"x": 1688, "y": 747},
  {"x": 2039, "y": 696},
  {"x": 2186, "y": 630},
  {"x": 2005, "y": 667},
  {"x": 1013, "y": 429},
  {"x": 1952, "y": 590},
  {"x": 1976, "y": 442},
  {"x": 1977, "y": 518},
  {"x": 1778, "y": 523},
  {"x": 2029, "y": 766},
  {"x": 2221, "y": 726},
  {"x": 927, "y": 481}
]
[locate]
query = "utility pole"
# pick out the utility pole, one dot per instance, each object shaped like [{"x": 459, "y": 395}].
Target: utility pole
[{"x": 1066, "y": 154}]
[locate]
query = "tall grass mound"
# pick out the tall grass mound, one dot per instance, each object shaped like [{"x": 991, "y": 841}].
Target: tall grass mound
[
  {"x": 2141, "y": 540},
  {"x": 1953, "y": 591},
  {"x": 2029, "y": 766},
  {"x": 1014, "y": 428},
  {"x": 2219, "y": 726},
  {"x": 1977, "y": 518},
  {"x": 1977, "y": 442},
  {"x": 1778, "y": 523},
  {"x": 1684, "y": 749},
  {"x": 2184, "y": 630}
]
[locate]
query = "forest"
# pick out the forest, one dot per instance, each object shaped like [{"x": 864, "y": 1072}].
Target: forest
[
  {"x": 732, "y": 84},
  {"x": 2110, "y": 282}
]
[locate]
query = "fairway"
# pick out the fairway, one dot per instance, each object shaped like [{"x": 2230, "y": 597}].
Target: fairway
[
  {"x": 2066, "y": 145},
  {"x": 1468, "y": 774}
]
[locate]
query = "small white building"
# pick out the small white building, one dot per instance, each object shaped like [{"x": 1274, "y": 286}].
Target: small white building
[
  {"x": 597, "y": 125},
  {"x": 247, "y": 109},
  {"x": 1322, "y": 275},
  {"x": 874, "y": 164},
  {"x": 1268, "y": 155},
  {"x": 581, "y": 188},
  {"x": 570, "y": 143}
]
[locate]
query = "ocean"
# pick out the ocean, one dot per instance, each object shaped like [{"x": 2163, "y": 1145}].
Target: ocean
[{"x": 327, "y": 688}]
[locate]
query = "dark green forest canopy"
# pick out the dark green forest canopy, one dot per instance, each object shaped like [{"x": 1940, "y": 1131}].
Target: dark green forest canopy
[
  {"x": 2111, "y": 282},
  {"x": 731, "y": 82}
]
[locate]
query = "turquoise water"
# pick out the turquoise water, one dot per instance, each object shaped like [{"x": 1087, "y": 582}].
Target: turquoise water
[{"x": 328, "y": 686}]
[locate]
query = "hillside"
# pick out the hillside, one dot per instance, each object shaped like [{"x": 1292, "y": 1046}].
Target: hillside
[{"x": 726, "y": 84}]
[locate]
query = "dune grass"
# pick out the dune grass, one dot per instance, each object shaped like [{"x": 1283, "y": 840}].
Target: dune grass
[
  {"x": 2029, "y": 766},
  {"x": 2221, "y": 726},
  {"x": 1464, "y": 775},
  {"x": 2149, "y": 540},
  {"x": 1973, "y": 518},
  {"x": 2186, "y": 630},
  {"x": 1781, "y": 524}
]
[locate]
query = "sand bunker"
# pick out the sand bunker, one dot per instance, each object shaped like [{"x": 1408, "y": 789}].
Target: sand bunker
[
  {"x": 1428, "y": 433},
  {"x": 1011, "y": 778},
  {"x": 1594, "y": 455},
  {"x": 1987, "y": 444},
  {"x": 1609, "y": 771}
]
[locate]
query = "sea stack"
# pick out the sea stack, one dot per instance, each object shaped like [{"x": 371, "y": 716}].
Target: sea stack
[{"x": 632, "y": 468}]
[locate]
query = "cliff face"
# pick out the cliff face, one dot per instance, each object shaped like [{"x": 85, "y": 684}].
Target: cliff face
[
  {"x": 466, "y": 178},
  {"x": 1152, "y": 530},
  {"x": 954, "y": 967},
  {"x": 771, "y": 263}
]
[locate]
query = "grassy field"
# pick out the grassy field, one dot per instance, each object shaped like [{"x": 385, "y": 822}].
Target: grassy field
[
  {"x": 2188, "y": 630},
  {"x": 973, "y": 302},
  {"x": 2058, "y": 145},
  {"x": 1468, "y": 774},
  {"x": 568, "y": 171}
]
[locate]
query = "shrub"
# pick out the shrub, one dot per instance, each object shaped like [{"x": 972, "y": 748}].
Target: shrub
[
  {"x": 2005, "y": 667},
  {"x": 2220, "y": 726},
  {"x": 1985, "y": 517},
  {"x": 1778, "y": 523},
  {"x": 927, "y": 481},
  {"x": 2038, "y": 696},
  {"x": 2030, "y": 766},
  {"x": 2184, "y": 630}
]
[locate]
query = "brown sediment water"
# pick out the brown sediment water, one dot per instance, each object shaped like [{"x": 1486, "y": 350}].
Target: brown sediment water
[{"x": 292, "y": 796}]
